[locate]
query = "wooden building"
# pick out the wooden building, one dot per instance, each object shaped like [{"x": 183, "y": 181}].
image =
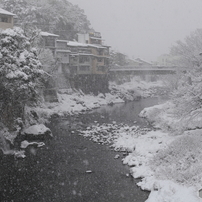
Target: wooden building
[
  {"x": 6, "y": 19},
  {"x": 88, "y": 55}
]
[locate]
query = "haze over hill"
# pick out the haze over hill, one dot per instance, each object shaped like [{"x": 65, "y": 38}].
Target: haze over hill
[{"x": 144, "y": 29}]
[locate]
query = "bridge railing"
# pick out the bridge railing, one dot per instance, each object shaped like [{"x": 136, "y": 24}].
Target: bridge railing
[{"x": 145, "y": 68}]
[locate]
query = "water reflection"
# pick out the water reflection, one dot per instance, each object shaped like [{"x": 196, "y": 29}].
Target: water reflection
[
  {"x": 127, "y": 112},
  {"x": 70, "y": 168}
]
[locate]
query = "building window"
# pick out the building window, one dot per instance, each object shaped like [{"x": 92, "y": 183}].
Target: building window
[
  {"x": 101, "y": 68},
  {"x": 106, "y": 61},
  {"x": 73, "y": 69},
  {"x": 84, "y": 68},
  {"x": 106, "y": 51},
  {"x": 99, "y": 59},
  {"x": 94, "y": 41},
  {"x": 49, "y": 41},
  {"x": 4, "y": 19},
  {"x": 95, "y": 34},
  {"x": 83, "y": 59},
  {"x": 74, "y": 49},
  {"x": 100, "y": 52},
  {"x": 74, "y": 58}
]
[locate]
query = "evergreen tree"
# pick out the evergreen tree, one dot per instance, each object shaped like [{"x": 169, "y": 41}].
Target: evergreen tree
[
  {"x": 187, "y": 52},
  {"x": 20, "y": 75},
  {"x": 188, "y": 94},
  {"x": 56, "y": 16}
]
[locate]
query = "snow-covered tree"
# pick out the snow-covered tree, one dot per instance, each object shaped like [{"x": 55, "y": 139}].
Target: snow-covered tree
[
  {"x": 47, "y": 60},
  {"x": 117, "y": 58},
  {"x": 20, "y": 74},
  {"x": 188, "y": 94},
  {"x": 187, "y": 52},
  {"x": 57, "y": 16}
]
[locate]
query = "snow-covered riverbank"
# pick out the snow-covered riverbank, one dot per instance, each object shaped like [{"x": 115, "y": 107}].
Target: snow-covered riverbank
[
  {"x": 148, "y": 149},
  {"x": 168, "y": 177},
  {"x": 73, "y": 102},
  {"x": 169, "y": 162},
  {"x": 141, "y": 144}
]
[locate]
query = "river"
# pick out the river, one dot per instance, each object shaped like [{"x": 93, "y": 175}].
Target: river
[{"x": 70, "y": 168}]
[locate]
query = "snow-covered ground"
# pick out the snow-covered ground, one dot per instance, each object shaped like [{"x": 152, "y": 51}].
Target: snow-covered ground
[
  {"x": 164, "y": 160},
  {"x": 168, "y": 177},
  {"x": 143, "y": 145},
  {"x": 75, "y": 102},
  {"x": 72, "y": 102},
  {"x": 169, "y": 162},
  {"x": 139, "y": 88},
  {"x": 169, "y": 165}
]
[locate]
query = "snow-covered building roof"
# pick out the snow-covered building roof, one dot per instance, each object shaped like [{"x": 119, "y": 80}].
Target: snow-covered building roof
[
  {"x": 86, "y": 54},
  {"x": 97, "y": 38},
  {"x": 62, "y": 40},
  {"x": 2, "y": 11},
  {"x": 48, "y": 34},
  {"x": 63, "y": 51},
  {"x": 96, "y": 46},
  {"x": 138, "y": 60},
  {"x": 75, "y": 43}
]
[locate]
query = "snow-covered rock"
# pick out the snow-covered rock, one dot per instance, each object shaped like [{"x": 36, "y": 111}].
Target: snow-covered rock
[
  {"x": 37, "y": 132},
  {"x": 169, "y": 191},
  {"x": 162, "y": 117},
  {"x": 25, "y": 144}
]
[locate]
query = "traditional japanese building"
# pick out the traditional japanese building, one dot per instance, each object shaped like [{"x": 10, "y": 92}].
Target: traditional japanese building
[
  {"x": 100, "y": 52},
  {"x": 6, "y": 19},
  {"x": 84, "y": 63},
  {"x": 49, "y": 41},
  {"x": 89, "y": 63}
]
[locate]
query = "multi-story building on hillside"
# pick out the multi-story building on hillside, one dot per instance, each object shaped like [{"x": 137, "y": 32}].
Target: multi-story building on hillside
[
  {"x": 88, "y": 55},
  {"x": 90, "y": 38},
  {"x": 6, "y": 19},
  {"x": 84, "y": 63},
  {"x": 49, "y": 41},
  {"x": 63, "y": 56},
  {"x": 81, "y": 58}
]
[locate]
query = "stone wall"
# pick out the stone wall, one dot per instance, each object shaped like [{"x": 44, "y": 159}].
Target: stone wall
[{"x": 91, "y": 83}]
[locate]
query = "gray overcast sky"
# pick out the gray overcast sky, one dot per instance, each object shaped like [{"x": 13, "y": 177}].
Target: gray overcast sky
[{"x": 143, "y": 28}]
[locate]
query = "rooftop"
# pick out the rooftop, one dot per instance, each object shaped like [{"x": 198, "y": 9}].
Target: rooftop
[
  {"x": 75, "y": 43},
  {"x": 97, "y": 38},
  {"x": 2, "y": 11},
  {"x": 63, "y": 51},
  {"x": 63, "y": 41},
  {"x": 48, "y": 34}
]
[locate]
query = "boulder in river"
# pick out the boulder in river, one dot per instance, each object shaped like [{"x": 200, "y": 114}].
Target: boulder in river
[
  {"x": 37, "y": 132},
  {"x": 25, "y": 144}
]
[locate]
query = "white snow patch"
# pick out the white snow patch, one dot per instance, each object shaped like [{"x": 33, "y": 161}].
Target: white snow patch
[
  {"x": 19, "y": 154},
  {"x": 169, "y": 191},
  {"x": 25, "y": 144},
  {"x": 38, "y": 129},
  {"x": 146, "y": 146},
  {"x": 76, "y": 102},
  {"x": 170, "y": 166}
]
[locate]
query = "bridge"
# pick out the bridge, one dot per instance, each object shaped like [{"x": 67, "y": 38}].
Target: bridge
[{"x": 146, "y": 72}]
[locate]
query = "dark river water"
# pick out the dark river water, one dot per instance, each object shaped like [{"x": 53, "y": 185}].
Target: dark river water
[{"x": 70, "y": 168}]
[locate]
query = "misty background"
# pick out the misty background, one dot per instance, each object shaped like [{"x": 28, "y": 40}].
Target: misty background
[{"x": 143, "y": 29}]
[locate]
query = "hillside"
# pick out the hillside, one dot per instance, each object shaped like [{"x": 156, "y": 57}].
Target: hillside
[{"x": 44, "y": 15}]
